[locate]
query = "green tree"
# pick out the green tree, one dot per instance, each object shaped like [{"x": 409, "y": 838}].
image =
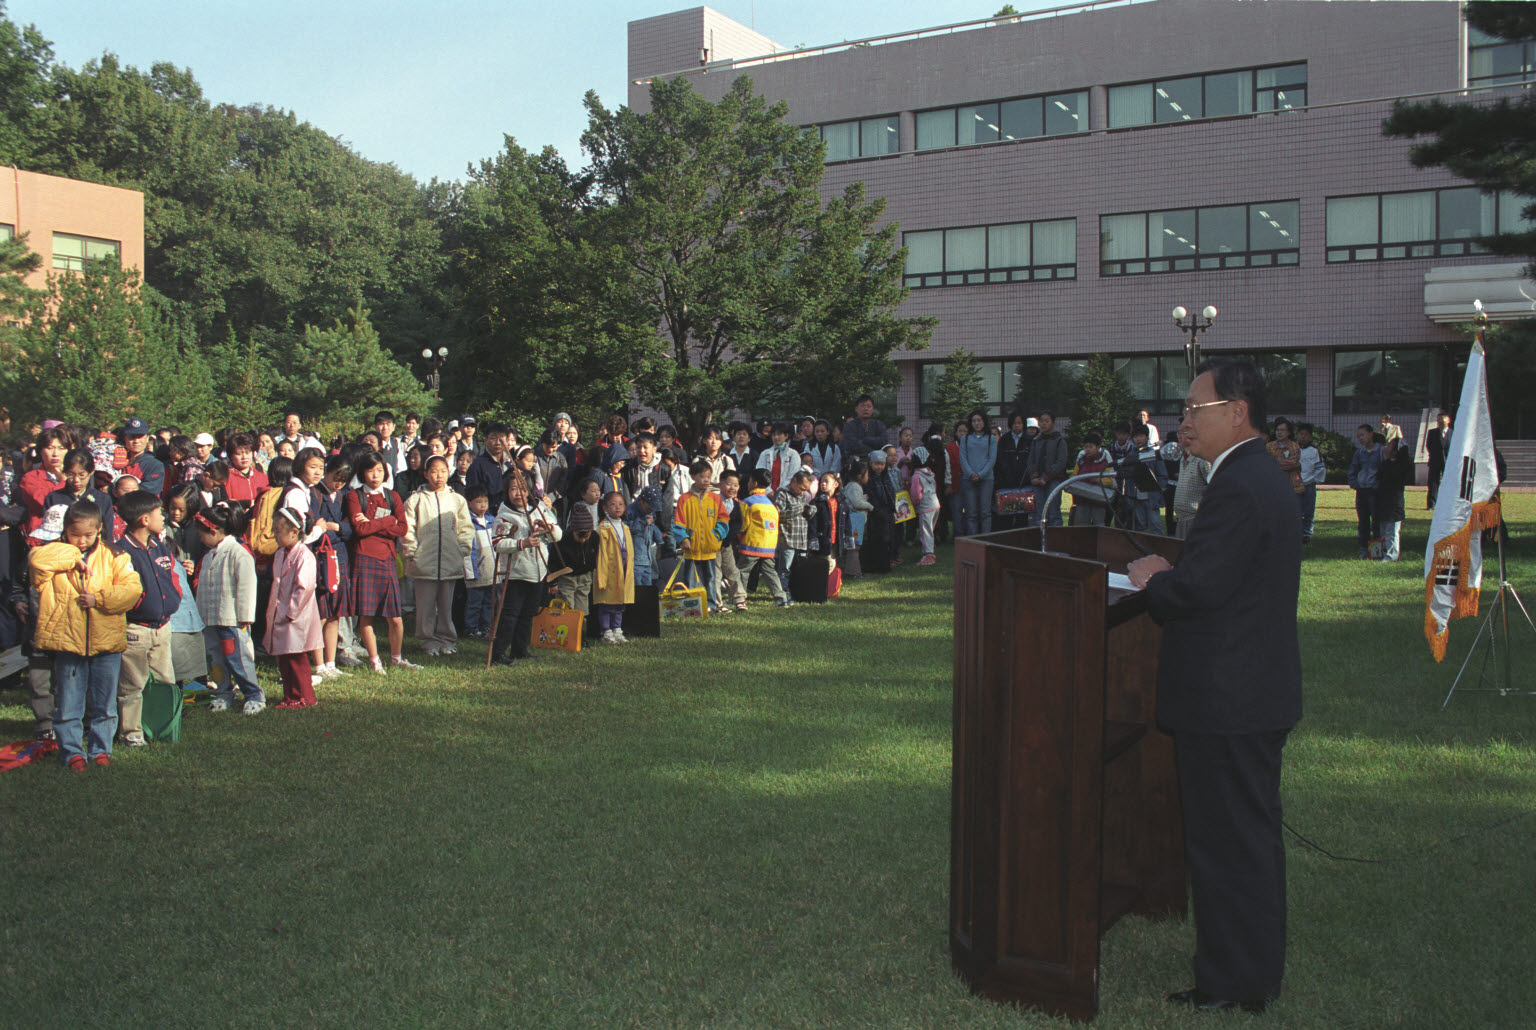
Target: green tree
[
  {"x": 959, "y": 390},
  {"x": 247, "y": 381},
  {"x": 1103, "y": 398},
  {"x": 254, "y": 221},
  {"x": 538, "y": 332},
  {"x": 343, "y": 374},
  {"x": 728, "y": 248},
  {"x": 25, "y": 60},
  {"x": 96, "y": 346}
]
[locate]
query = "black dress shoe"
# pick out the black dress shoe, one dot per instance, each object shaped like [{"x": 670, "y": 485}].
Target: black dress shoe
[{"x": 1200, "y": 1001}]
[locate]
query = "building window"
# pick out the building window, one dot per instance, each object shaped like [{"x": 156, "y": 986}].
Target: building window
[
  {"x": 1248, "y": 90},
  {"x": 1031, "y": 386},
  {"x": 866, "y": 137},
  {"x": 1492, "y": 61},
  {"x": 1017, "y": 252},
  {"x": 7, "y": 232},
  {"x": 1192, "y": 239},
  {"x": 1424, "y": 223},
  {"x": 1370, "y": 382},
  {"x": 999, "y": 121},
  {"x": 70, "y": 253}
]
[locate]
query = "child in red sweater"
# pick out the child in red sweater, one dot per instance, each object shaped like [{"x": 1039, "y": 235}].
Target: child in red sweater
[{"x": 378, "y": 520}]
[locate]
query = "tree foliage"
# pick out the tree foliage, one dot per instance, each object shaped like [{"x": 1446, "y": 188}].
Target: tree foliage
[
  {"x": 538, "y": 332},
  {"x": 25, "y": 61},
  {"x": 764, "y": 295},
  {"x": 343, "y": 373},
  {"x": 1103, "y": 398},
  {"x": 959, "y": 390},
  {"x": 96, "y": 346}
]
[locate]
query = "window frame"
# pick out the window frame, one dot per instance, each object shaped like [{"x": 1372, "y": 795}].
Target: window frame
[
  {"x": 1481, "y": 41},
  {"x": 1378, "y": 401},
  {"x": 1197, "y": 261},
  {"x": 1157, "y": 99},
  {"x": 987, "y": 275},
  {"x": 1438, "y": 246},
  {"x": 892, "y": 126},
  {"x": 1042, "y": 99},
  {"x": 77, "y": 262}
]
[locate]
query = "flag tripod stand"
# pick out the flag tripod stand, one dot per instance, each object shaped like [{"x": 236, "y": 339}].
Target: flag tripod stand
[{"x": 1496, "y": 626}]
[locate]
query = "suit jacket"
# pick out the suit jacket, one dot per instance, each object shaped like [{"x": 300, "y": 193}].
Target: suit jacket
[
  {"x": 1230, "y": 659},
  {"x": 1435, "y": 442}
]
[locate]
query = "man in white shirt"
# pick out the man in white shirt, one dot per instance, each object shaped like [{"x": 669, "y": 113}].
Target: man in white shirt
[{"x": 1154, "y": 438}]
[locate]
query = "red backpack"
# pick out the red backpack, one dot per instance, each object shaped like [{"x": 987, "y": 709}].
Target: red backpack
[{"x": 327, "y": 568}]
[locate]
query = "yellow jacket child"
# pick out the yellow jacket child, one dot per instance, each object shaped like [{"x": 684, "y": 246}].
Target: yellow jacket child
[
  {"x": 62, "y": 625},
  {"x": 614, "y": 582}
]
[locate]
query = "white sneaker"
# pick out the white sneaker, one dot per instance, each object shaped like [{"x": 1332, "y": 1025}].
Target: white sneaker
[
  {"x": 218, "y": 704},
  {"x": 619, "y": 637},
  {"x": 608, "y": 637},
  {"x": 401, "y": 663},
  {"x": 320, "y": 673},
  {"x": 254, "y": 707},
  {"x": 377, "y": 665},
  {"x": 334, "y": 673}
]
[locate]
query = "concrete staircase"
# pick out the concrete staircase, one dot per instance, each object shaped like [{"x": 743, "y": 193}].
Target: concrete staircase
[{"x": 1520, "y": 455}]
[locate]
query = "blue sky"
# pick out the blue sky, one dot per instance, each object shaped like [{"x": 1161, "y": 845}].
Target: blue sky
[{"x": 430, "y": 87}]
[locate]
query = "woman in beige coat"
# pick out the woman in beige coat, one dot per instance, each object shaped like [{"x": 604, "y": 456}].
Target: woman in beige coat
[{"x": 438, "y": 540}]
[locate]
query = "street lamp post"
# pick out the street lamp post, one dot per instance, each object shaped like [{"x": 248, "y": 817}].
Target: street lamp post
[
  {"x": 1194, "y": 328},
  {"x": 434, "y": 362}
]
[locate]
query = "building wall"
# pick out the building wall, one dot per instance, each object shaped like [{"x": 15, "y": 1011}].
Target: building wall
[
  {"x": 1357, "y": 55},
  {"x": 40, "y": 205}
]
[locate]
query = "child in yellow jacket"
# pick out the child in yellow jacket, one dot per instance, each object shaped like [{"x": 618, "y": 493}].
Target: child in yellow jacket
[
  {"x": 84, "y": 591},
  {"x": 613, "y": 583}
]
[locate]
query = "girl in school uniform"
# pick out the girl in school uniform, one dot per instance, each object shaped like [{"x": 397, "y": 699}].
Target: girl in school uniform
[{"x": 378, "y": 521}]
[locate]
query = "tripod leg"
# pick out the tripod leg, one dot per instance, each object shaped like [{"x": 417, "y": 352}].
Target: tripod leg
[
  {"x": 1467, "y": 661},
  {"x": 501, "y": 599}
]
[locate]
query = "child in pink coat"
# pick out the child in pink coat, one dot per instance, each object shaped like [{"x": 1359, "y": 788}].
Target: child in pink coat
[{"x": 293, "y": 619}]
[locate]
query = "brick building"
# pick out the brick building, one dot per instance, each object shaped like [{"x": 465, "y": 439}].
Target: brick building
[{"x": 1064, "y": 179}]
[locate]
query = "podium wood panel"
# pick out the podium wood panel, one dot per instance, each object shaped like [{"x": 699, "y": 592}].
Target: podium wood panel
[{"x": 1065, "y": 805}]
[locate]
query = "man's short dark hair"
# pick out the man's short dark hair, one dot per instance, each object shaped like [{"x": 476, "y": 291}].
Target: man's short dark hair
[
  {"x": 862, "y": 398},
  {"x": 135, "y": 506},
  {"x": 644, "y": 436},
  {"x": 1093, "y": 438},
  {"x": 1140, "y": 429},
  {"x": 739, "y": 427},
  {"x": 730, "y": 474},
  {"x": 1235, "y": 380},
  {"x": 783, "y": 427},
  {"x": 476, "y": 491},
  {"x": 1123, "y": 427},
  {"x": 384, "y": 416}
]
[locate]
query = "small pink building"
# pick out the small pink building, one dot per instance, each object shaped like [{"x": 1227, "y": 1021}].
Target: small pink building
[{"x": 70, "y": 222}]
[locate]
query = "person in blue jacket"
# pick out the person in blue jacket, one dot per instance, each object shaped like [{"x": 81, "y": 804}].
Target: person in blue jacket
[{"x": 978, "y": 456}]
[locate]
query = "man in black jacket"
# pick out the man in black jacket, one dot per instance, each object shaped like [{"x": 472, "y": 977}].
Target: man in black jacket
[
  {"x": 1229, "y": 687},
  {"x": 1437, "y": 441}
]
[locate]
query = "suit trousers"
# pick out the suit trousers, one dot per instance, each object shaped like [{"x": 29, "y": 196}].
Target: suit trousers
[{"x": 1229, "y": 785}]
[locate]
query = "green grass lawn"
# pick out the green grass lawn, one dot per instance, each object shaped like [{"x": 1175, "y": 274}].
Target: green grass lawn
[{"x": 745, "y": 824}]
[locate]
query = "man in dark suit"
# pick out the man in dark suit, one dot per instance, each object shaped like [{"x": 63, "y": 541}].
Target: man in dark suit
[
  {"x": 1229, "y": 686},
  {"x": 1437, "y": 441}
]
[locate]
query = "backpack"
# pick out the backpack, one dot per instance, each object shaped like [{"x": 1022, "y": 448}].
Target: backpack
[
  {"x": 263, "y": 543},
  {"x": 327, "y": 566}
]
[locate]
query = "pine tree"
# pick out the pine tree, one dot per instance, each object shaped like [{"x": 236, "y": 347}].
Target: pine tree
[
  {"x": 343, "y": 373},
  {"x": 244, "y": 372},
  {"x": 16, "y": 262},
  {"x": 1103, "y": 398},
  {"x": 96, "y": 347},
  {"x": 958, "y": 391}
]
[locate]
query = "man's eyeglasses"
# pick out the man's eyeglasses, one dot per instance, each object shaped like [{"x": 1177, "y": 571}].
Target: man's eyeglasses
[{"x": 1190, "y": 409}]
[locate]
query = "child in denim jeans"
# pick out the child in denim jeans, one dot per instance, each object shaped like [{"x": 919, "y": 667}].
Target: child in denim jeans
[
  {"x": 226, "y": 599},
  {"x": 480, "y": 592}
]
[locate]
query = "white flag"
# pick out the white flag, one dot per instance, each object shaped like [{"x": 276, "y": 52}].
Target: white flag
[{"x": 1468, "y": 504}]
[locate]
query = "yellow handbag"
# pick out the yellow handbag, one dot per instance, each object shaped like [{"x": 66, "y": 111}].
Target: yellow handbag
[
  {"x": 557, "y": 626},
  {"x": 683, "y": 602}
]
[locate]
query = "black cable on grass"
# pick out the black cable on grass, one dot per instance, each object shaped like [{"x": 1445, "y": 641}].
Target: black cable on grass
[{"x": 1479, "y": 831}]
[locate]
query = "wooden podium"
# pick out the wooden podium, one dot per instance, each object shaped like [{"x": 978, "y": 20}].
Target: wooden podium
[{"x": 1066, "y": 805}]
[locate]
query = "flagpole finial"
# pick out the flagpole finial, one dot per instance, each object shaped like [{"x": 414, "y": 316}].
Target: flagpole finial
[{"x": 1480, "y": 317}]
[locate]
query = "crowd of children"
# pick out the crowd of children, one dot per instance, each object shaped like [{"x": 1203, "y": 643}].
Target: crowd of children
[{"x": 128, "y": 555}]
